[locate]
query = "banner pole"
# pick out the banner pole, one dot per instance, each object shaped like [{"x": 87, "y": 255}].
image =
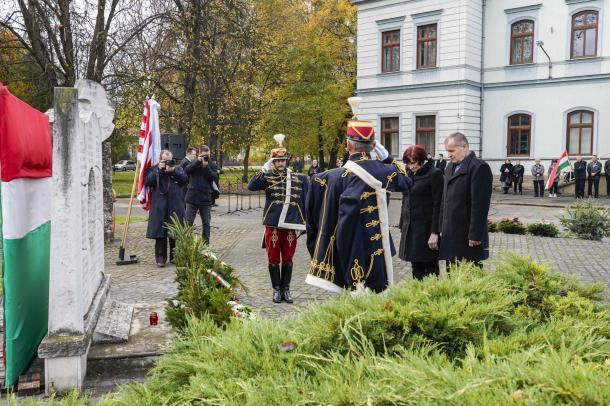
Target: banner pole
[{"x": 132, "y": 259}]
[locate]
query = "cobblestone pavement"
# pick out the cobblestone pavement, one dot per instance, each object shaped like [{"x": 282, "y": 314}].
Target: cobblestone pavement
[{"x": 237, "y": 237}]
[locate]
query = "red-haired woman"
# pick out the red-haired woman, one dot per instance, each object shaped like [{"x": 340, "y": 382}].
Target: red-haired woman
[{"x": 420, "y": 216}]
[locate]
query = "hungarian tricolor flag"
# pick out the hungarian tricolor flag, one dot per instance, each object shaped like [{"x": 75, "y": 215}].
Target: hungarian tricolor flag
[
  {"x": 562, "y": 163},
  {"x": 25, "y": 162},
  {"x": 149, "y": 148}
]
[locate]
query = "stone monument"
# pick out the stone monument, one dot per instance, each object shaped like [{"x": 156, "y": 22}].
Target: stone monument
[{"x": 82, "y": 120}]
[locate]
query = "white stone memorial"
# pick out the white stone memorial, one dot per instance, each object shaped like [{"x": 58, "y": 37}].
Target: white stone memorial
[{"x": 82, "y": 120}]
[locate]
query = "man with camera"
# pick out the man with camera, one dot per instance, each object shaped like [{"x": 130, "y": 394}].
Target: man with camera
[
  {"x": 165, "y": 181},
  {"x": 202, "y": 174}
]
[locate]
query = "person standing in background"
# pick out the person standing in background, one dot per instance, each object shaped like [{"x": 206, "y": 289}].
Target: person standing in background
[
  {"x": 580, "y": 176},
  {"x": 594, "y": 171},
  {"x": 440, "y": 163},
  {"x": 314, "y": 168},
  {"x": 506, "y": 175},
  {"x": 607, "y": 172},
  {"x": 202, "y": 174},
  {"x": 518, "y": 172},
  {"x": 166, "y": 181},
  {"x": 420, "y": 214},
  {"x": 298, "y": 165},
  {"x": 538, "y": 174}
]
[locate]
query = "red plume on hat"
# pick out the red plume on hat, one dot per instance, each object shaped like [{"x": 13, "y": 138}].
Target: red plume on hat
[
  {"x": 359, "y": 130},
  {"x": 279, "y": 153}
]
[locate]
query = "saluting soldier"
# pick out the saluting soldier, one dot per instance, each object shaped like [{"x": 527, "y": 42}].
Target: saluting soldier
[
  {"x": 284, "y": 216},
  {"x": 348, "y": 232}
]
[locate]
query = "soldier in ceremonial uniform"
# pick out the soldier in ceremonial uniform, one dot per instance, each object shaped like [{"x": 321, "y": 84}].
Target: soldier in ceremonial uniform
[
  {"x": 348, "y": 232},
  {"x": 284, "y": 216}
]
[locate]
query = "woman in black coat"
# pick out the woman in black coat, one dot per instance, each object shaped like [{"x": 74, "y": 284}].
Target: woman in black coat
[
  {"x": 506, "y": 177},
  {"x": 420, "y": 214},
  {"x": 166, "y": 198}
]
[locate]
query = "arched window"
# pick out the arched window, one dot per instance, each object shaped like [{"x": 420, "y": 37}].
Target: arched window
[
  {"x": 580, "y": 132},
  {"x": 584, "y": 34},
  {"x": 522, "y": 42},
  {"x": 519, "y": 135}
]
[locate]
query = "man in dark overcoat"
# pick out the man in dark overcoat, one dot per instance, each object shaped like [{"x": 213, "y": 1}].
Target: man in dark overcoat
[
  {"x": 202, "y": 173},
  {"x": 580, "y": 177},
  {"x": 166, "y": 198},
  {"x": 466, "y": 201}
]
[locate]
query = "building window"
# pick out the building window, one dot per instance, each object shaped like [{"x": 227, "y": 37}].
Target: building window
[
  {"x": 389, "y": 134},
  {"x": 584, "y": 34},
  {"x": 426, "y": 46},
  {"x": 390, "y": 51},
  {"x": 580, "y": 132},
  {"x": 522, "y": 42},
  {"x": 425, "y": 133},
  {"x": 519, "y": 135}
]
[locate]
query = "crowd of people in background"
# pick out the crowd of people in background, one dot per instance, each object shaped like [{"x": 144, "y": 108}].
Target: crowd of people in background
[{"x": 584, "y": 173}]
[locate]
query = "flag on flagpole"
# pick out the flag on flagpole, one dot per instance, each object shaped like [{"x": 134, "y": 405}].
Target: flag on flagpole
[
  {"x": 562, "y": 163},
  {"x": 149, "y": 148},
  {"x": 25, "y": 162}
]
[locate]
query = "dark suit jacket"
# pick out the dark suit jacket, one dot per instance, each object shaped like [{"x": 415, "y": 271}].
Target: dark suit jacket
[
  {"x": 580, "y": 170},
  {"x": 466, "y": 200},
  {"x": 440, "y": 164},
  {"x": 200, "y": 182}
]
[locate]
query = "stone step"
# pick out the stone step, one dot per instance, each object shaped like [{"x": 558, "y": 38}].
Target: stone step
[{"x": 114, "y": 323}]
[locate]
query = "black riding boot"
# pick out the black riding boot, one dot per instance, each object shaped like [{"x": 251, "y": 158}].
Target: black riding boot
[
  {"x": 274, "y": 272},
  {"x": 285, "y": 283}
]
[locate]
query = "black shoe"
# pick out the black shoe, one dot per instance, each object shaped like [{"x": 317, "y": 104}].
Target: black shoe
[
  {"x": 287, "y": 296},
  {"x": 285, "y": 282},
  {"x": 274, "y": 273},
  {"x": 277, "y": 296}
]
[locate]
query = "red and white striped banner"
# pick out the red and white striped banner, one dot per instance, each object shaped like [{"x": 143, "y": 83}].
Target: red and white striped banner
[{"x": 149, "y": 148}]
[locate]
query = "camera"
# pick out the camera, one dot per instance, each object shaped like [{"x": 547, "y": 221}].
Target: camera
[{"x": 169, "y": 162}]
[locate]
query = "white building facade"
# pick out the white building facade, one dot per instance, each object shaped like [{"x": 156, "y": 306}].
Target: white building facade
[{"x": 428, "y": 68}]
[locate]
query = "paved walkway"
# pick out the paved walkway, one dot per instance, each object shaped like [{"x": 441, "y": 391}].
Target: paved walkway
[{"x": 237, "y": 238}]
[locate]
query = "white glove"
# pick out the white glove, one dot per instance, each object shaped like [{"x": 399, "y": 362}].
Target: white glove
[
  {"x": 267, "y": 166},
  {"x": 381, "y": 152}
]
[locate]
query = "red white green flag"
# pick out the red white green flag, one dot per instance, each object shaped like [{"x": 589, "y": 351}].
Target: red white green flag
[
  {"x": 25, "y": 159},
  {"x": 562, "y": 163}
]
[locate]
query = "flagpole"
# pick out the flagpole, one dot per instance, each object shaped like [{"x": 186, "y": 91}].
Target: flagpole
[{"x": 132, "y": 259}]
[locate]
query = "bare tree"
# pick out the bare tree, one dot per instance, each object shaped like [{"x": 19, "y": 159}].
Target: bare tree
[{"x": 70, "y": 39}]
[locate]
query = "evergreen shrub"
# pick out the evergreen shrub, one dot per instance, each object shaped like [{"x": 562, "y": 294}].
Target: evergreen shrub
[
  {"x": 543, "y": 229},
  {"x": 587, "y": 221},
  {"x": 511, "y": 226},
  {"x": 519, "y": 335}
]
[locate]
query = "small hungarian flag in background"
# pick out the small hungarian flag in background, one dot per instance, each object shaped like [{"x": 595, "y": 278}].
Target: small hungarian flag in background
[
  {"x": 26, "y": 189},
  {"x": 562, "y": 163}
]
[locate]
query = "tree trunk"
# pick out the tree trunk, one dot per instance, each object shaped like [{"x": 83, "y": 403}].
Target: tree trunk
[
  {"x": 320, "y": 145},
  {"x": 107, "y": 186},
  {"x": 245, "y": 177},
  {"x": 334, "y": 151}
]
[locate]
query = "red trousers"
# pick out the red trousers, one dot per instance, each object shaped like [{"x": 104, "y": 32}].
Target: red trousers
[{"x": 281, "y": 244}]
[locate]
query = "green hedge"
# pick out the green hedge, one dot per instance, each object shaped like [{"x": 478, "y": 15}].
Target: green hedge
[{"x": 520, "y": 335}]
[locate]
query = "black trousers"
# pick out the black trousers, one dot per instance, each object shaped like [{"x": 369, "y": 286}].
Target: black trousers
[
  {"x": 519, "y": 185},
  {"x": 423, "y": 269},
  {"x": 554, "y": 188},
  {"x": 205, "y": 212},
  {"x": 579, "y": 188},
  {"x": 608, "y": 185},
  {"x": 539, "y": 188},
  {"x": 593, "y": 184},
  {"x": 161, "y": 250}
]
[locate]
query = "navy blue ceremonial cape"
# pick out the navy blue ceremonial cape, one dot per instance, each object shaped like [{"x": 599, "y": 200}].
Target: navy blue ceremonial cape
[{"x": 347, "y": 232}]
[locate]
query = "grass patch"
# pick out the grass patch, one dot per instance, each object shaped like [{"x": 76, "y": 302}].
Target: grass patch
[
  {"x": 234, "y": 175},
  {"x": 120, "y": 220},
  {"x": 122, "y": 183}
]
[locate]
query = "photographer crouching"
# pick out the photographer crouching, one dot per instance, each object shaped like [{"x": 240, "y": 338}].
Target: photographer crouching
[
  {"x": 166, "y": 181},
  {"x": 202, "y": 174}
]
